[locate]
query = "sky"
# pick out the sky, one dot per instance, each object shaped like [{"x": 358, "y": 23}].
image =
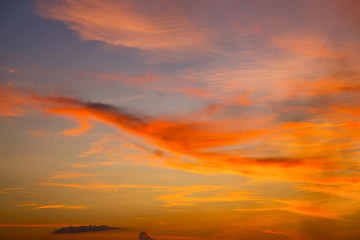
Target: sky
[{"x": 207, "y": 119}]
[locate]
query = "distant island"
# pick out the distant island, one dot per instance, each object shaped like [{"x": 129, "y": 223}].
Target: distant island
[
  {"x": 144, "y": 236},
  {"x": 81, "y": 229}
]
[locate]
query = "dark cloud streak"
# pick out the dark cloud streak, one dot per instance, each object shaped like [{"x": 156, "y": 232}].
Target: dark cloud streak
[{"x": 82, "y": 229}]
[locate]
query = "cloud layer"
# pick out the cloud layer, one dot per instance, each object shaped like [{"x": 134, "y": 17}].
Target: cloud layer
[{"x": 81, "y": 229}]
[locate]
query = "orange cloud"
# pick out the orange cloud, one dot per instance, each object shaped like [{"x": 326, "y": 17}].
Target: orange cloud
[
  {"x": 311, "y": 209},
  {"x": 350, "y": 110},
  {"x": 106, "y": 187},
  {"x": 196, "y": 92},
  {"x": 167, "y": 84},
  {"x": 187, "y": 197},
  {"x": 103, "y": 163},
  {"x": 255, "y": 148},
  {"x": 200, "y": 139},
  {"x": 84, "y": 126},
  {"x": 329, "y": 209},
  {"x": 7, "y": 190},
  {"x": 147, "y": 78},
  {"x": 336, "y": 83},
  {"x": 96, "y": 147},
  {"x": 69, "y": 175},
  {"x": 176, "y": 196},
  {"x": 180, "y": 237},
  {"x": 99, "y": 20},
  {"x": 26, "y": 205},
  {"x": 308, "y": 46},
  {"x": 13, "y": 102},
  {"x": 349, "y": 190},
  {"x": 291, "y": 234},
  {"x": 38, "y": 225},
  {"x": 39, "y": 133},
  {"x": 171, "y": 135},
  {"x": 13, "y": 70},
  {"x": 61, "y": 206}
]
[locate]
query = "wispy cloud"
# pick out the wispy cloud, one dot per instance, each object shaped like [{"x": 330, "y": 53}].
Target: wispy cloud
[
  {"x": 175, "y": 195},
  {"x": 12, "y": 102},
  {"x": 310, "y": 47},
  {"x": 70, "y": 175},
  {"x": 10, "y": 189},
  {"x": 295, "y": 157},
  {"x": 137, "y": 29},
  {"x": 26, "y": 205},
  {"x": 37, "y": 225},
  {"x": 314, "y": 209},
  {"x": 191, "y": 196},
  {"x": 61, "y": 206},
  {"x": 327, "y": 209},
  {"x": 105, "y": 187}
]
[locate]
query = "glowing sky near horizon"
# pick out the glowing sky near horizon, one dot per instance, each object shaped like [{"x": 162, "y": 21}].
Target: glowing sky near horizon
[{"x": 203, "y": 119}]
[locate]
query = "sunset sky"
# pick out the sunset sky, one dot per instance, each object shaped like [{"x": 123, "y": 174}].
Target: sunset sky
[{"x": 189, "y": 119}]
